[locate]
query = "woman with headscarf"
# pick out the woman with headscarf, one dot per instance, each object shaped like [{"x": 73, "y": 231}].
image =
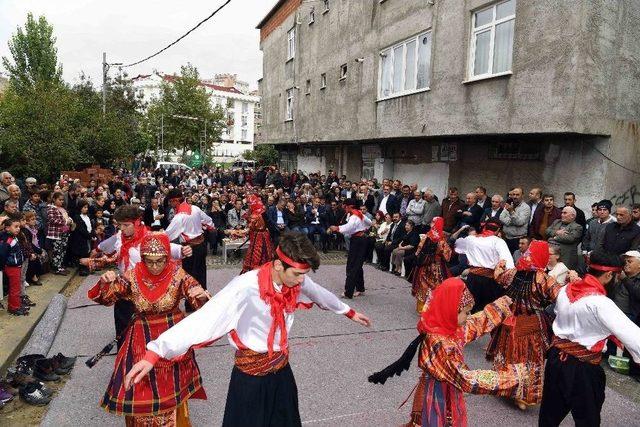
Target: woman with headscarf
[
  {"x": 432, "y": 256},
  {"x": 155, "y": 286},
  {"x": 525, "y": 338},
  {"x": 445, "y": 327},
  {"x": 260, "y": 247}
]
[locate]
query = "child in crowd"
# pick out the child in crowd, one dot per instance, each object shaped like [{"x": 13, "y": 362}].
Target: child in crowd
[
  {"x": 99, "y": 219},
  {"x": 111, "y": 228},
  {"x": 29, "y": 228},
  {"x": 11, "y": 260}
]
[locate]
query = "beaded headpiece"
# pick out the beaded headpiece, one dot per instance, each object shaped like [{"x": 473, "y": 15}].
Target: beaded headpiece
[
  {"x": 466, "y": 299},
  {"x": 155, "y": 244}
]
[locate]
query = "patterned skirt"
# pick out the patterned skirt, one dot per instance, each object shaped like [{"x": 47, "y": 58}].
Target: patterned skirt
[
  {"x": 168, "y": 385},
  {"x": 260, "y": 250},
  {"x": 437, "y": 404},
  {"x": 525, "y": 340},
  {"x": 427, "y": 276}
]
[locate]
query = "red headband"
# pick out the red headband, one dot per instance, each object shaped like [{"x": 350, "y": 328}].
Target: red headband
[
  {"x": 605, "y": 268},
  {"x": 289, "y": 261}
]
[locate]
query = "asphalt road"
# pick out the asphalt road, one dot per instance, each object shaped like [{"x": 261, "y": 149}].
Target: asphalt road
[{"x": 330, "y": 356}]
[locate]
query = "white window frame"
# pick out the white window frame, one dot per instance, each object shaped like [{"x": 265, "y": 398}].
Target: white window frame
[
  {"x": 312, "y": 15},
  {"x": 288, "y": 112},
  {"x": 326, "y": 6},
  {"x": 389, "y": 51},
  {"x": 491, "y": 26},
  {"x": 291, "y": 43},
  {"x": 323, "y": 81},
  {"x": 344, "y": 69}
]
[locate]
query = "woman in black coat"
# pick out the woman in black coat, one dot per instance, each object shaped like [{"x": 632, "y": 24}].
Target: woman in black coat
[
  {"x": 219, "y": 219},
  {"x": 80, "y": 240}
]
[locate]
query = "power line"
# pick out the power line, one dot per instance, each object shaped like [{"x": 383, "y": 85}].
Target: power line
[
  {"x": 180, "y": 38},
  {"x": 611, "y": 160}
]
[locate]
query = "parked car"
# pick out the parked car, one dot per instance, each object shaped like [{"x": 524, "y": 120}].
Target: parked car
[{"x": 174, "y": 165}]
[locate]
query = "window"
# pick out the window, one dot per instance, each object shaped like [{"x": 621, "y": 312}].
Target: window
[
  {"x": 243, "y": 136},
  {"x": 245, "y": 107},
  {"x": 326, "y": 6},
  {"x": 291, "y": 43},
  {"x": 323, "y": 80},
  {"x": 312, "y": 16},
  {"x": 289, "y": 110},
  {"x": 343, "y": 71},
  {"x": 491, "y": 45},
  {"x": 405, "y": 67},
  {"x": 308, "y": 88}
]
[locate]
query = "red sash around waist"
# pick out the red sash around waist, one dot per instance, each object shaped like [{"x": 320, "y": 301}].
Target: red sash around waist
[{"x": 260, "y": 364}]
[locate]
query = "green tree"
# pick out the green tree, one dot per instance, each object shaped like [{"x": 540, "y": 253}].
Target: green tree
[
  {"x": 263, "y": 155},
  {"x": 35, "y": 57},
  {"x": 184, "y": 106}
]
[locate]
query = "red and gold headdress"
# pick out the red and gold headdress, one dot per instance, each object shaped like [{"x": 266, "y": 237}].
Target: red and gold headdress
[{"x": 256, "y": 207}]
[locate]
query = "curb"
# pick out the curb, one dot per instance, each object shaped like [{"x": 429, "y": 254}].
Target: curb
[{"x": 41, "y": 331}]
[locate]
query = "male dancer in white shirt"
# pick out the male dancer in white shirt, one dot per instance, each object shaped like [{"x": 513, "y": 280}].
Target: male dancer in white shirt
[
  {"x": 585, "y": 319},
  {"x": 123, "y": 250},
  {"x": 256, "y": 312},
  {"x": 188, "y": 225},
  {"x": 355, "y": 228},
  {"x": 484, "y": 251}
]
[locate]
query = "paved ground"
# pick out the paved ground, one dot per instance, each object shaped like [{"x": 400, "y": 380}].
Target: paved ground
[{"x": 331, "y": 358}]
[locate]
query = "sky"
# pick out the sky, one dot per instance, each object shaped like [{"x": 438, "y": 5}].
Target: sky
[{"x": 131, "y": 30}]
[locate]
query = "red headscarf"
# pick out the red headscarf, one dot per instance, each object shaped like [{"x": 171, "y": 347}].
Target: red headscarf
[
  {"x": 153, "y": 287},
  {"x": 256, "y": 207},
  {"x": 280, "y": 302},
  {"x": 535, "y": 258},
  {"x": 436, "y": 233},
  {"x": 441, "y": 316},
  {"x": 131, "y": 241}
]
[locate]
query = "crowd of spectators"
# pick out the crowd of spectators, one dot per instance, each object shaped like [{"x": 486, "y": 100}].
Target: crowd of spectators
[{"x": 61, "y": 222}]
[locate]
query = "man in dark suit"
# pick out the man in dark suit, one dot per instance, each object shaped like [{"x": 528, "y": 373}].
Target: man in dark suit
[
  {"x": 395, "y": 236},
  {"x": 316, "y": 222},
  {"x": 471, "y": 214},
  {"x": 277, "y": 220},
  {"x": 388, "y": 203},
  {"x": 483, "y": 200},
  {"x": 154, "y": 216},
  {"x": 334, "y": 215},
  {"x": 494, "y": 211}
]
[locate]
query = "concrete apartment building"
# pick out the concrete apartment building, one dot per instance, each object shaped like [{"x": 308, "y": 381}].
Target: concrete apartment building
[
  {"x": 458, "y": 92},
  {"x": 226, "y": 92}
]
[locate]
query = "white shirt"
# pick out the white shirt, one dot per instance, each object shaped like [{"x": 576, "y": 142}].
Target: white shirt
[
  {"x": 114, "y": 243},
  {"x": 155, "y": 212},
  {"x": 592, "y": 319},
  {"x": 383, "y": 204},
  {"x": 87, "y": 222},
  {"x": 238, "y": 307},
  {"x": 354, "y": 225},
  {"x": 484, "y": 251},
  {"x": 188, "y": 227}
]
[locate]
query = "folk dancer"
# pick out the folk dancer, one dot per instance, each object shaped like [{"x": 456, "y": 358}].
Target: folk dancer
[
  {"x": 432, "y": 256},
  {"x": 483, "y": 252},
  {"x": 260, "y": 247},
  {"x": 525, "y": 337},
  {"x": 123, "y": 250},
  {"x": 155, "y": 287},
  {"x": 256, "y": 312},
  {"x": 585, "y": 319},
  {"x": 355, "y": 228},
  {"x": 445, "y": 328},
  {"x": 188, "y": 226}
]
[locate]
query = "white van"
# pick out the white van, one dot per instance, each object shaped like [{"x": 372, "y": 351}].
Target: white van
[{"x": 174, "y": 165}]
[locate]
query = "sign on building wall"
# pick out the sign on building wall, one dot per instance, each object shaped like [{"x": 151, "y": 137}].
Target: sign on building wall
[{"x": 444, "y": 152}]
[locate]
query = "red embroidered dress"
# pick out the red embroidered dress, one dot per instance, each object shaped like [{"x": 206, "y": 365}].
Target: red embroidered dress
[
  {"x": 260, "y": 246},
  {"x": 525, "y": 338},
  {"x": 156, "y": 300},
  {"x": 439, "y": 399}
]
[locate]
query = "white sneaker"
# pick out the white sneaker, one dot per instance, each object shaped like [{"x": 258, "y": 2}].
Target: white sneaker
[{"x": 26, "y": 284}]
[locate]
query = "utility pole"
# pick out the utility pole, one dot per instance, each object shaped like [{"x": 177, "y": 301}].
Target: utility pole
[{"x": 105, "y": 68}]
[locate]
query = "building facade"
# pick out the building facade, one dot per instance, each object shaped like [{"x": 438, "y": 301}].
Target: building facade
[
  {"x": 458, "y": 92},
  {"x": 238, "y": 107}
]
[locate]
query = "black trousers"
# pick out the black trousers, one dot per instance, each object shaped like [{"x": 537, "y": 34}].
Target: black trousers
[
  {"x": 383, "y": 252},
  {"x": 355, "y": 259},
  {"x": 267, "y": 401},
  {"x": 196, "y": 266},
  {"x": 571, "y": 386},
  {"x": 484, "y": 290},
  {"x": 122, "y": 312}
]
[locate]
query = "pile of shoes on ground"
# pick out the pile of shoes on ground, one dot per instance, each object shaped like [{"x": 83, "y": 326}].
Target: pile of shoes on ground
[{"x": 27, "y": 378}]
